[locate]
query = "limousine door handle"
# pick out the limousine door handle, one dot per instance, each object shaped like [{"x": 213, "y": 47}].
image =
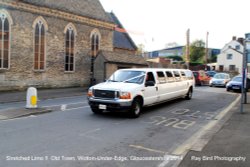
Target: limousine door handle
[{"x": 156, "y": 88}]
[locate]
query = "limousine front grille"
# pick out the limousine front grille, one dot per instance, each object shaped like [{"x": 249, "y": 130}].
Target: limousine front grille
[{"x": 107, "y": 94}]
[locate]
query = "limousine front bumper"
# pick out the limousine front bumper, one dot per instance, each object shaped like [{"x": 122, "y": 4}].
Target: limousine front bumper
[{"x": 109, "y": 104}]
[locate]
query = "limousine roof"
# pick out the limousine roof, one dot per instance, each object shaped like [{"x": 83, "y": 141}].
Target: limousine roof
[{"x": 154, "y": 69}]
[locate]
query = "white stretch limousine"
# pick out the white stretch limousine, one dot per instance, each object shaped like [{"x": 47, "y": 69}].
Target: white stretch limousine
[{"x": 132, "y": 89}]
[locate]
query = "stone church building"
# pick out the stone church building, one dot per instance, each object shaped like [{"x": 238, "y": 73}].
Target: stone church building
[{"x": 64, "y": 43}]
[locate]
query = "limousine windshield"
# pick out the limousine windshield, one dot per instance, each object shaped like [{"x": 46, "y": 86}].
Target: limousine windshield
[{"x": 128, "y": 76}]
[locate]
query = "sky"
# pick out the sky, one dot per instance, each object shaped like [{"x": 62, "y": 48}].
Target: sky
[{"x": 155, "y": 23}]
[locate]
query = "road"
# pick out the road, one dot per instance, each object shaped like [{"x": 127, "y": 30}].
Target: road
[{"x": 72, "y": 136}]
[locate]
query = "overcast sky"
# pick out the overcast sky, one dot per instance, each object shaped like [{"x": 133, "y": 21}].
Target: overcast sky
[{"x": 155, "y": 23}]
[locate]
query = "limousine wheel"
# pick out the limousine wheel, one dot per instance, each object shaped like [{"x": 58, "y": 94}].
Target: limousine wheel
[
  {"x": 135, "y": 110},
  {"x": 189, "y": 94}
]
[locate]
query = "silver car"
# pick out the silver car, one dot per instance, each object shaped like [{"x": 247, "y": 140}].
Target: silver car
[{"x": 220, "y": 79}]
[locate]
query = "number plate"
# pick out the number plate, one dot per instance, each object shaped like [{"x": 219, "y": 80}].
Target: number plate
[
  {"x": 236, "y": 87},
  {"x": 102, "y": 107}
]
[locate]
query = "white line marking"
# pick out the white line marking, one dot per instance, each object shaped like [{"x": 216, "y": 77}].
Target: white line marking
[
  {"x": 58, "y": 105},
  {"x": 63, "y": 107},
  {"x": 90, "y": 131},
  {"x": 148, "y": 149},
  {"x": 3, "y": 117},
  {"x": 70, "y": 97},
  {"x": 76, "y": 108},
  {"x": 87, "y": 134}
]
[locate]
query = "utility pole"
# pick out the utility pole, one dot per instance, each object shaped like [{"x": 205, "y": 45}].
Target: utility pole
[
  {"x": 187, "y": 48},
  {"x": 245, "y": 60},
  {"x": 206, "y": 51}
]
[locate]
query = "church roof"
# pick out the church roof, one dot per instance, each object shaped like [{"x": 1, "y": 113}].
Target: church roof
[
  {"x": 88, "y": 8},
  {"x": 122, "y": 39},
  {"x": 124, "y": 58}
]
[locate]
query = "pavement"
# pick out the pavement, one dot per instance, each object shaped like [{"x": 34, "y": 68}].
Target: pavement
[
  {"x": 228, "y": 147},
  {"x": 42, "y": 94}
]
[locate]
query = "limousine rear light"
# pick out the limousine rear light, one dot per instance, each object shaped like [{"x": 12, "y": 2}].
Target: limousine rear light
[{"x": 125, "y": 95}]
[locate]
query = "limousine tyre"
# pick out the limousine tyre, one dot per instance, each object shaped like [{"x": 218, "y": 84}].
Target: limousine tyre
[
  {"x": 189, "y": 94},
  {"x": 96, "y": 111},
  {"x": 135, "y": 110}
]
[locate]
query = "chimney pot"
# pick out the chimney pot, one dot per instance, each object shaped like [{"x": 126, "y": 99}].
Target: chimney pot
[{"x": 241, "y": 40}]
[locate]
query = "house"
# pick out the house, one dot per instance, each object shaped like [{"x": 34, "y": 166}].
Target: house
[
  {"x": 48, "y": 44},
  {"x": 230, "y": 58}
]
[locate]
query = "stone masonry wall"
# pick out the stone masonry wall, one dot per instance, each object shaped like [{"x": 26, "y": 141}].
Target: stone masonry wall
[{"x": 20, "y": 75}]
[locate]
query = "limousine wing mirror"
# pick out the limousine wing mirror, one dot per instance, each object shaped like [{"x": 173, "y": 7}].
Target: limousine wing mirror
[{"x": 149, "y": 83}]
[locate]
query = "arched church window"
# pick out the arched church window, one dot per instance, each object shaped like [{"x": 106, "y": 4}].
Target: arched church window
[
  {"x": 4, "y": 41},
  {"x": 69, "y": 49},
  {"x": 39, "y": 54}
]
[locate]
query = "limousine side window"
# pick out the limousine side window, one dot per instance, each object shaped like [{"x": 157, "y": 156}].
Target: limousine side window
[
  {"x": 150, "y": 77},
  {"x": 170, "y": 77},
  {"x": 183, "y": 75},
  {"x": 177, "y": 75},
  {"x": 161, "y": 77}
]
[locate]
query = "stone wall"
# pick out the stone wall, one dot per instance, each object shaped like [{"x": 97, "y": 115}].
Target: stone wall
[
  {"x": 99, "y": 69},
  {"x": 21, "y": 74},
  {"x": 110, "y": 69}
]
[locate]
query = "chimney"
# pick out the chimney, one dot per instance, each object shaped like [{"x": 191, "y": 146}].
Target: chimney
[
  {"x": 241, "y": 41},
  {"x": 234, "y": 38}
]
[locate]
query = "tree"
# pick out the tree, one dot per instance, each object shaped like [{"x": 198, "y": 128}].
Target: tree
[
  {"x": 197, "y": 51},
  {"x": 140, "y": 49}
]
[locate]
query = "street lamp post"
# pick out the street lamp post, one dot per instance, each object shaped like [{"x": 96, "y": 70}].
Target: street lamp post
[
  {"x": 188, "y": 49},
  {"x": 206, "y": 51},
  {"x": 92, "y": 70}
]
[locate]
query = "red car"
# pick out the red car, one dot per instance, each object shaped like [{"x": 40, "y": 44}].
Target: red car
[{"x": 201, "y": 78}]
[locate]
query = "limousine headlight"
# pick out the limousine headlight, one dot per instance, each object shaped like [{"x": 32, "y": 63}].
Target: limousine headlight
[
  {"x": 125, "y": 95},
  {"x": 90, "y": 93}
]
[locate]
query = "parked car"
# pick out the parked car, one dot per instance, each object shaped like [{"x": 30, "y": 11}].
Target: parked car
[
  {"x": 131, "y": 89},
  {"x": 201, "y": 78},
  {"x": 236, "y": 84},
  {"x": 220, "y": 79},
  {"x": 211, "y": 73}
]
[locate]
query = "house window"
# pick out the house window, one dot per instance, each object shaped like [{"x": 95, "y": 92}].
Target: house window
[
  {"x": 229, "y": 56},
  {"x": 39, "y": 60},
  {"x": 69, "y": 51},
  {"x": 237, "y": 47},
  {"x": 221, "y": 67},
  {"x": 231, "y": 67},
  {"x": 95, "y": 43},
  {"x": 5, "y": 41}
]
